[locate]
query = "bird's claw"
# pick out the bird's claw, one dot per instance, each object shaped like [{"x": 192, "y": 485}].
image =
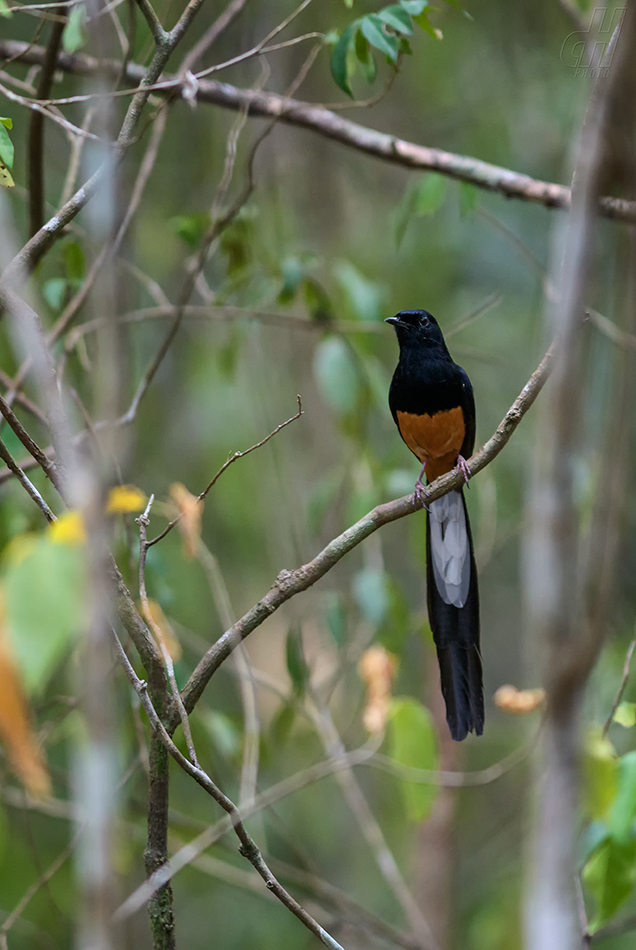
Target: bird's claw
[
  {"x": 420, "y": 494},
  {"x": 463, "y": 468}
]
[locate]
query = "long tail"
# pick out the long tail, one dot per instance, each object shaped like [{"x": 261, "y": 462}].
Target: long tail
[{"x": 453, "y": 611}]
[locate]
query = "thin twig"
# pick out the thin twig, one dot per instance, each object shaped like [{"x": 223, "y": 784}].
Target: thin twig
[
  {"x": 326, "y": 123},
  {"x": 621, "y": 688},
  {"x": 143, "y": 521},
  {"x": 28, "y": 485},
  {"x": 226, "y": 465},
  {"x": 248, "y": 847}
]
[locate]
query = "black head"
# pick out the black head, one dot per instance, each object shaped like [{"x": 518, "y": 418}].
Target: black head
[{"x": 417, "y": 327}]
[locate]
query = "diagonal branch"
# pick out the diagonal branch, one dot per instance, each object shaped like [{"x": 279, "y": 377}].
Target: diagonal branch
[{"x": 290, "y": 583}]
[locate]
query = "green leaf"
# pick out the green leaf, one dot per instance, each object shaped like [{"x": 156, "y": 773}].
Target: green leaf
[
  {"x": 413, "y": 743},
  {"x": 75, "y": 261},
  {"x": 625, "y": 715},
  {"x": 6, "y": 145},
  {"x": 54, "y": 292},
  {"x": 423, "y": 21},
  {"x": 371, "y": 593},
  {"x": 363, "y": 54},
  {"x": 413, "y": 7},
  {"x": 468, "y": 195},
  {"x": 296, "y": 662},
  {"x": 336, "y": 374},
  {"x": 46, "y": 606},
  {"x": 430, "y": 194},
  {"x": 372, "y": 27},
  {"x": 339, "y": 68},
  {"x": 5, "y": 11},
  {"x": 291, "y": 272},
  {"x": 600, "y": 772},
  {"x": 225, "y": 736},
  {"x": 74, "y": 35},
  {"x": 623, "y": 811},
  {"x": 6, "y": 122},
  {"x": 336, "y": 617},
  {"x": 365, "y": 297},
  {"x": 191, "y": 227},
  {"x": 610, "y": 874},
  {"x": 397, "y": 17}
]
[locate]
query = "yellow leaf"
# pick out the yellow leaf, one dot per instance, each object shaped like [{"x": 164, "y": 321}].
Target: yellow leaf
[
  {"x": 20, "y": 547},
  {"x": 377, "y": 668},
  {"x": 5, "y": 176},
  {"x": 190, "y": 511},
  {"x": 16, "y": 729},
  {"x": 162, "y": 629},
  {"x": 125, "y": 498},
  {"x": 519, "y": 701},
  {"x": 68, "y": 529}
]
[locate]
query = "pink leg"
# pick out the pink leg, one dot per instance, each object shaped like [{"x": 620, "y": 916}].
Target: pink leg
[
  {"x": 463, "y": 468},
  {"x": 419, "y": 486}
]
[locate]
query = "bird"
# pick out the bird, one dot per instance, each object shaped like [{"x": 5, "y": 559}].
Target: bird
[{"x": 432, "y": 403}]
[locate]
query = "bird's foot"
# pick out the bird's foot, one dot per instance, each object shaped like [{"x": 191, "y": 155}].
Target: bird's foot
[
  {"x": 420, "y": 488},
  {"x": 463, "y": 468}
]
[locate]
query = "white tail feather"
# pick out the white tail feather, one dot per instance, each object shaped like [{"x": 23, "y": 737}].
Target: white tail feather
[{"x": 450, "y": 549}]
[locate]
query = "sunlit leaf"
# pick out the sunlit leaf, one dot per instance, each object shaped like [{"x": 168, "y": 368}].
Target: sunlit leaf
[
  {"x": 372, "y": 27},
  {"x": 600, "y": 770},
  {"x": 336, "y": 374},
  {"x": 6, "y": 145},
  {"x": 125, "y": 498},
  {"x": 46, "y": 604},
  {"x": 371, "y": 592},
  {"x": 610, "y": 874},
  {"x": 68, "y": 529},
  {"x": 6, "y": 178},
  {"x": 423, "y": 21},
  {"x": 16, "y": 728},
  {"x": 74, "y": 35},
  {"x": 5, "y": 11},
  {"x": 625, "y": 715},
  {"x": 413, "y": 742},
  {"x": 623, "y": 811}
]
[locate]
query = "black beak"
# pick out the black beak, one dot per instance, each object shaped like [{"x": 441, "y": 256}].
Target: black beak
[{"x": 396, "y": 322}]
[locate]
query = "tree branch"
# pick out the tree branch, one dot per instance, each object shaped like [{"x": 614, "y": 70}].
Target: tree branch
[
  {"x": 290, "y": 583},
  {"x": 324, "y": 122}
]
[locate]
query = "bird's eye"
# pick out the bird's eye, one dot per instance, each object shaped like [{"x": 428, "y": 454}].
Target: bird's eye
[{"x": 424, "y": 321}]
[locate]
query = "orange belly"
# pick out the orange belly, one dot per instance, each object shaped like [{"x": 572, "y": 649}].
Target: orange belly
[{"x": 436, "y": 439}]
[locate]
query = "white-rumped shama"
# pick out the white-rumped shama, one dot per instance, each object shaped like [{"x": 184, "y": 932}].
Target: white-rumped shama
[{"x": 431, "y": 400}]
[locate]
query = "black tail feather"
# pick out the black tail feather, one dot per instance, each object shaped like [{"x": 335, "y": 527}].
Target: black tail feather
[
  {"x": 456, "y": 635},
  {"x": 460, "y": 673}
]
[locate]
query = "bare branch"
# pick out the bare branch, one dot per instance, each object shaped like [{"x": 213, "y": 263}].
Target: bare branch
[
  {"x": 389, "y": 148},
  {"x": 230, "y": 461},
  {"x": 28, "y": 486},
  {"x": 290, "y": 583},
  {"x": 248, "y": 847}
]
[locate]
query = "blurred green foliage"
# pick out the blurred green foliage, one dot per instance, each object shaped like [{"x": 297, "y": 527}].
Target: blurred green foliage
[{"x": 330, "y": 242}]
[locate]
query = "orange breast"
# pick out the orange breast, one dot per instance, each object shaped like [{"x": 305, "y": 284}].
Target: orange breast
[{"x": 434, "y": 439}]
